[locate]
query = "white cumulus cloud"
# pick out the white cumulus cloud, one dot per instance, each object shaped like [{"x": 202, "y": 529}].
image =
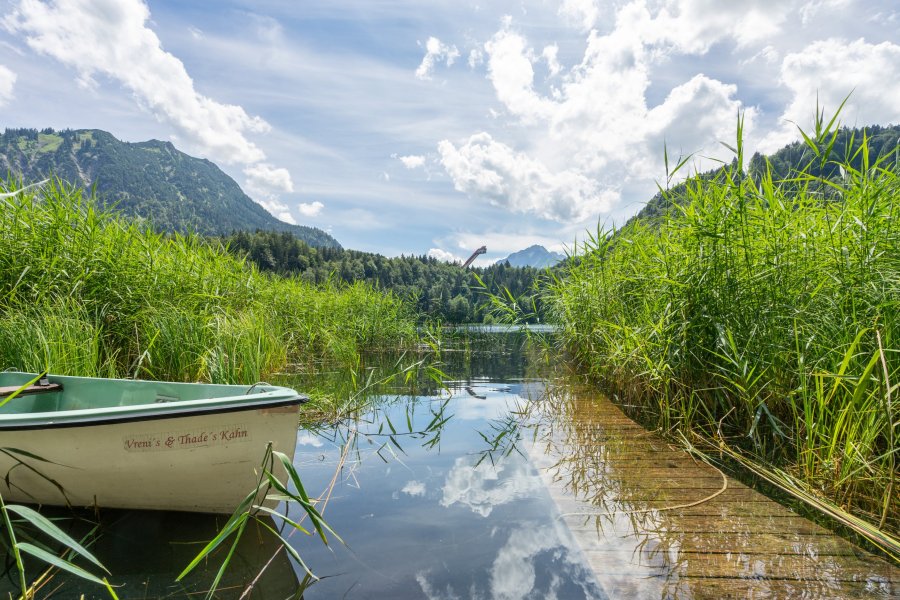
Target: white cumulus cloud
[
  {"x": 811, "y": 8},
  {"x": 310, "y": 209},
  {"x": 435, "y": 52},
  {"x": 443, "y": 255},
  {"x": 412, "y": 161},
  {"x": 593, "y": 134},
  {"x": 7, "y": 82},
  {"x": 829, "y": 70},
  {"x": 694, "y": 26},
  {"x": 511, "y": 69},
  {"x": 581, "y": 13},
  {"x": 485, "y": 168},
  {"x": 111, "y": 38},
  {"x": 476, "y": 58},
  {"x": 265, "y": 184},
  {"x": 265, "y": 176},
  {"x": 550, "y": 54},
  {"x": 279, "y": 209},
  {"x": 700, "y": 109}
]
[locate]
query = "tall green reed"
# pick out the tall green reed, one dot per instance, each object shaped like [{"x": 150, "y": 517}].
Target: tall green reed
[
  {"x": 62, "y": 333},
  {"x": 85, "y": 292},
  {"x": 761, "y": 312}
]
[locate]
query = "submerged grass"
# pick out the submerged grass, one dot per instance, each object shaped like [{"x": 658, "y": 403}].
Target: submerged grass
[
  {"x": 83, "y": 292},
  {"x": 760, "y": 314}
]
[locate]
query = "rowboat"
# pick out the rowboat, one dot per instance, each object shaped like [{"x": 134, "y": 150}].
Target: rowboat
[{"x": 117, "y": 443}]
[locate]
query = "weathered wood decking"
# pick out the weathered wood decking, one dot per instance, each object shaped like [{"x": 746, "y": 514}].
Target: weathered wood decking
[{"x": 654, "y": 523}]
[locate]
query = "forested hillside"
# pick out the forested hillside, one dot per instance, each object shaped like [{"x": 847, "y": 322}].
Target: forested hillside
[
  {"x": 151, "y": 180},
  {"x": 437, "y": 289},
  {"x": 881, "y": 144}
]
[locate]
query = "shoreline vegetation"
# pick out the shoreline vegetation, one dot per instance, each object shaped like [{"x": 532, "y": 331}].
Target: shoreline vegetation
[
  {"x": 758, "y": 316},
  {"x": 85, "y": 292},
  {"x": 438, "y": 291}
]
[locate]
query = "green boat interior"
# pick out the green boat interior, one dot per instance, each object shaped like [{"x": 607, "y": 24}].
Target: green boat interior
[{"x": 61, "y": 394}]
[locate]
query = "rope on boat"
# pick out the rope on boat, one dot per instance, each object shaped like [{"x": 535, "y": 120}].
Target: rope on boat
[{"x": 258, "y": 383}]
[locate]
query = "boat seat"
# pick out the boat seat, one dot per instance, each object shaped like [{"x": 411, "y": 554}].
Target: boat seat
[{"x": 31, "y": 389}]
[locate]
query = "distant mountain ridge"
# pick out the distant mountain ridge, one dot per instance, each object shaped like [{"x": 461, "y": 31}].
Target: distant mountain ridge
[
  {"x": 534, "y": 256},
  {"x": 151, "y": 180}
]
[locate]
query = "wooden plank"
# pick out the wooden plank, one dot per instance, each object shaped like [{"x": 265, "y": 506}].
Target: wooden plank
[
  {"x": 608, "y": 480},
  {"x": 32, "y": 389},
  {"x": 734, "y": 589},
  {"x": 796, "y": 565},
  {"x": 585, "y": 496},
  {"x": 765, "y": 544},
  {"x": 706, "y": 529},
  {"x": 741, "y": 589},
  {"x": 727, "y": 510},
  {"x": 651, "y": 469},
  {"x": 742, "y": 524}
]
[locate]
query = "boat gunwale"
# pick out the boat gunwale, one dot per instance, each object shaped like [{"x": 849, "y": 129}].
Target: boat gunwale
[{"x": 139, "y": 412}]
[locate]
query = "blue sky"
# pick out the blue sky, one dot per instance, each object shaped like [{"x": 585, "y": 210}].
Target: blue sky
[{"x": 436, "y": 127}]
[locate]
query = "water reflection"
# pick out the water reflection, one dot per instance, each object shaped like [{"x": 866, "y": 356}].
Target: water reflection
[
  {"x": 145, "y": 551},
  {"x": 435, "y": 520},
  {"x": 529, "y": 565},
  {"x": 481, "y": 487},
  {"x": 467, "y": 356}
]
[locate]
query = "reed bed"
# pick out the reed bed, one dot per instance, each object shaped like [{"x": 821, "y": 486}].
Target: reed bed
[
  {"x": 760, "y": 314},
  {"x": 83, "y": 292}
]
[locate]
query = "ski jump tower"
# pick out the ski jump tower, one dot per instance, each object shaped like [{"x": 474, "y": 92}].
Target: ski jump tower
[{"x": 481, "y": 250}]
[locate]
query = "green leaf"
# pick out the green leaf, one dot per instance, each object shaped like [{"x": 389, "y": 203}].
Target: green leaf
[
  {"x": 52, "y": 559},
  {"x": 292, "y": 473},
  {"x": 284, "y": 518},
  {"x": 314, "y": 515},
  {"x": 237, "y": 520},
  {"x": 215, "y": 584},
  {"x": 48, "y": 528},
  {"x": 14, "y": 544},
  {"x": 290, "y": 550}
]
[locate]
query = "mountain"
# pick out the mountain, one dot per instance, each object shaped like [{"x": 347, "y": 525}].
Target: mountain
[
  {"x": 150, "y": 180},
  {"x": 534, "y": 256}
]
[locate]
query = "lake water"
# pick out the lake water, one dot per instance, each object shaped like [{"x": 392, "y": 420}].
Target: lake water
[
  {"x": 448, "y": 511},
  {"x": 438, "y": 518},
  {"x": 436, "y": 494}
]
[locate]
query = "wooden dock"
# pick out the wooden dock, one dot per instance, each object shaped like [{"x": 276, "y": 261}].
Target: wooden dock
[{"x": 653, "y": 522}]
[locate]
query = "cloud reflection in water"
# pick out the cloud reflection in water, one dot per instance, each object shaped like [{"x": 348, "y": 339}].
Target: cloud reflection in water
[{"x": 487, "y": 485}]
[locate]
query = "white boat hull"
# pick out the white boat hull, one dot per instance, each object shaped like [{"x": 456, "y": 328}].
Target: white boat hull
[{"x": 201, "y": 463}]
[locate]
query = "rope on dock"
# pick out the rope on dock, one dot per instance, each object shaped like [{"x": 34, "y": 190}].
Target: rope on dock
[{"x": 611, "y": 513}]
